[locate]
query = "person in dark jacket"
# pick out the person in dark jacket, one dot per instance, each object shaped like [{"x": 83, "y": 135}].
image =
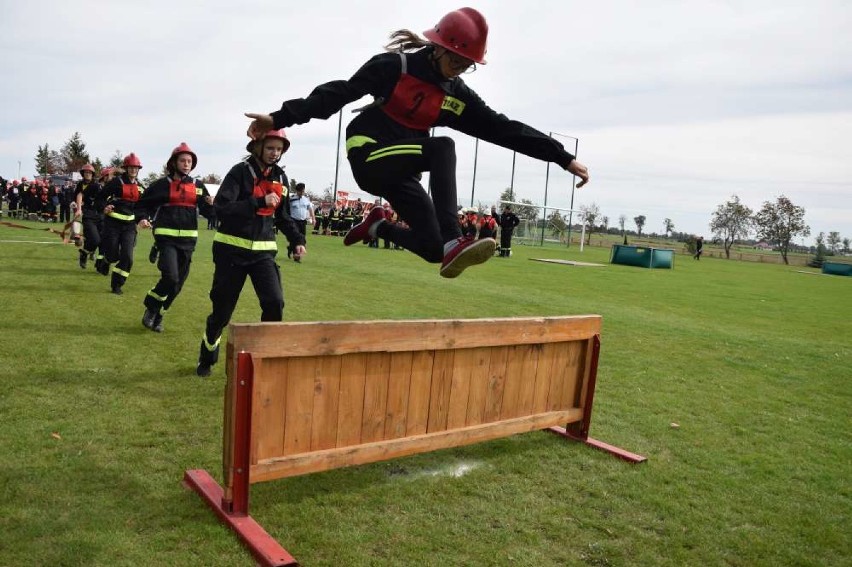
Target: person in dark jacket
[
  {"x": 508, "y": 222},
  {"x": 119, "y": 235},
  {"x": 89, "y": 212},
  {"x": 173, "y": 203},
  {"x": 415, "y": 88},
  {"x": 249, "y": 209}
]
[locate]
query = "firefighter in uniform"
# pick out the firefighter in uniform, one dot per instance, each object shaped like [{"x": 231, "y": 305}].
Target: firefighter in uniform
[
  {"x": 173, "y": 202},
  {"x": 250, "y": 205},
  {"x": 119, "y": 236},
  {"x": 89, "y": 211},
  {"x": 416, "y": 87}
]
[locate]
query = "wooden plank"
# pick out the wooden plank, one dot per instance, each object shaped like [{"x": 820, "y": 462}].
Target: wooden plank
[
  {"x": 478, "y": 386},
  {"x": 573, "y": 374},
  {"x": 375, "y": 397},
  {"x": 342, "y": 337},
  {"x": 509, "y": 405},
  {"x": 559, "y": 373},
  {"x": 439, "y": 396},
  {"x": 394, "y": 448},
  {"x": 586, "y": 363},
  {"x": 529, "y": 369},
  {"x": 496, "y": 382},
  {"x": 299, "y": 405},
  {"x": 399, "y": 382},
  {"x": 463, "y": 364},
  {"x": 353, "y": 368},
  {"x": 417, "y": 420},
  {"x": 326, "y": 403},
  {"x": 268, "y": 407},
  {"x": 543, "y": 377}
]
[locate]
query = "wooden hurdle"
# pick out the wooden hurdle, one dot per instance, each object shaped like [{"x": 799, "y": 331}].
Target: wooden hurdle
[{"x": 309, "y": 397}]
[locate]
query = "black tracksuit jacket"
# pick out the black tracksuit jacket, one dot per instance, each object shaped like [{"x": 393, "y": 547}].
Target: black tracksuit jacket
[{"x": 462, "y": 110}]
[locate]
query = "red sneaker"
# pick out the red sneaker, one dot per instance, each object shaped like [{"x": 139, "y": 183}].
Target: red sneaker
[
  {"x": 466, "y": 252},
  {"x": 361, "y": 231}
]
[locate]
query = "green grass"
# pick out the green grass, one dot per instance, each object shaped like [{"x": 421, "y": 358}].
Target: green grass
[{"x": 752, "y": 361}]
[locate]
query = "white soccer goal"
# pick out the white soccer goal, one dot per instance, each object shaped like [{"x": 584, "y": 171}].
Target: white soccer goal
[{"x": 529, "y": 231}]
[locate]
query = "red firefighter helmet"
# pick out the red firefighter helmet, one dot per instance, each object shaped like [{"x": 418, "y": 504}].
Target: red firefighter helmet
[
  {"x": 132, "y": 160},
  {"x": 183, "y": 148},
  {"x": 88, "y": 167},
  {"x": 464, "y": 32},
  {"x": 280, "y": 134}
]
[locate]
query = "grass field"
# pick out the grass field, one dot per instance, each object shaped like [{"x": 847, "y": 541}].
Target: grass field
[{"x": 99, "y": 418}]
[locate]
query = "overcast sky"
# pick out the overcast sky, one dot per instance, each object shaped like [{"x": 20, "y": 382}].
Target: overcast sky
[{"x": 676, "y": 105}]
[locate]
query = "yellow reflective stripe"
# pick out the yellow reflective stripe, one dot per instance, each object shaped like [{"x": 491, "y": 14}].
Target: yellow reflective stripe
[
  {"x": 454, "y": 105},
  {"x": 157, "y": 297},
  {"x": 376, "y": 155},
  {"x": 120, "y": 272},
  {"x": 357, "y": 142},
  {"x": 176, "y": 232},
  {"x": 253, "y": 245},
  {"x": 120, "y": 216},
  {"x": 207, "y": 345}
]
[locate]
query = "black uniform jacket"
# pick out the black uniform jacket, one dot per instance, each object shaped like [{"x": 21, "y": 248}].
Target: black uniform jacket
[
  {"x": 124, "y": 204},
  {"x": 462, "y": 109},
  {"x": 173, "y": 224},
  {"x": 242, "y": 231},
  {"x": 93, "y": 206}
]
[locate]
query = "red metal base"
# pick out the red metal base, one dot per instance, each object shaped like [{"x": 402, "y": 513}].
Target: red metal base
[
  {"x": 612, "y": 449},
  {"x": 263, "y": 546}
]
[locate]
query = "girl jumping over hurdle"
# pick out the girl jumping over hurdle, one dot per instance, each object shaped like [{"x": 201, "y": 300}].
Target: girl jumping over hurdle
[{"x": 416, "y": 86}]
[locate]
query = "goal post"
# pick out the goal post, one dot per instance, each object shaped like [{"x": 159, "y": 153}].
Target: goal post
[{"x": 537, "y": 224}]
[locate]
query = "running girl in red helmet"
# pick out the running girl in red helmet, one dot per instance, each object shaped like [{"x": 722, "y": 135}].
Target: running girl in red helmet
[
  {"x": 249, "y": 209},
  {"x": 119, "y": 235},
  {"x": 172, "y": 203},
  {"x": 415, "y": 87}
]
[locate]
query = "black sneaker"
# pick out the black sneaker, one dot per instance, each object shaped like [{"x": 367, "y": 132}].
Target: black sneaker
[
  {"x": 203, "y": 370},
  {"x": 82, "y": 260},
  {"x": 158, "y": 323},
  {"x": 117, "y": 291},
  {"x": 148, "y": 319}
]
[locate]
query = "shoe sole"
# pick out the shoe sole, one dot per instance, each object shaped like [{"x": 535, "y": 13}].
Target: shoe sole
[{"x": 477, "y": 253}]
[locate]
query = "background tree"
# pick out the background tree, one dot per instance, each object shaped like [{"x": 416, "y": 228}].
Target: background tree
[
  {"x": 328, "y": 194},
  {"x": 117, "y": 159},
  {"x": 557, "y": 223},
  {"x": 605, "y": 223},
  {"x": 846, "y": 244},
  {"x": 74, "y": 154},
  {"x": 150, "y": 178},
  {"x": 98, "y": 165},
  {"x": 589, "y": 214},
  {"x": 819, "y": 259},
  {"x": 669, "y": 226},
  {"x": 44, "y": 164},
  {"x": 730, "y": 221},
  {"x": 640, "y": 222},
  {"x": 622, "y": 221},
  {"x": 212, "y": 178},
  {"x": 779, "y": 222},
  {"x": 833, "y": 242},
  {"x": 507, "y": 195}
]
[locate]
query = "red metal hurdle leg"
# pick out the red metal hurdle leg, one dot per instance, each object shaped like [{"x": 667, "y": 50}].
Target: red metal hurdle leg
[
  {"x": 580, "y": 431},
  {"x": 232, "y": 508}
]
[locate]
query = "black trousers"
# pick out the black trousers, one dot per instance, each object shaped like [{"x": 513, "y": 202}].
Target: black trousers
[
  {"x": 64, "y": 212},
  {"x": 229, "y": 276},
  {"x": 173, "y": 263},
  {"x": 119, "y": 240},
  {"x": 393, "y": 171},
  {"x": 92, "y": 227},
  {"x": 506, "y": 239},
  {"x": 302, "y": 225}
]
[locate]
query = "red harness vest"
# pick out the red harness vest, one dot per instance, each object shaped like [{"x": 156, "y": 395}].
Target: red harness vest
[
  {"x": 262, "y": 188},
  {"x": 182, "y": 194},
  {"x": 414, "y": 103},
  {"x": 130, "y": 192}
]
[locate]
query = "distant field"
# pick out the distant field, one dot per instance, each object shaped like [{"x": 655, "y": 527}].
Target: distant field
[{"x": 733, "y": 378}]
